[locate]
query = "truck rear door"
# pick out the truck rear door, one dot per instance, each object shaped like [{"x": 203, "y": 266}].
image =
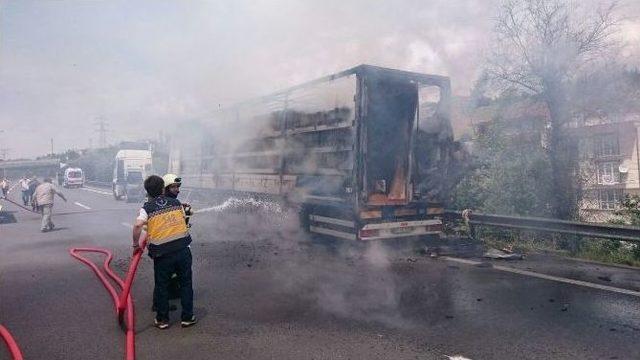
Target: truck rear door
[{"x": 390, "y": 107}]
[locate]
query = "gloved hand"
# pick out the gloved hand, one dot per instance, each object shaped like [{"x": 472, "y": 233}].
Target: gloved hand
[{"x": 187, "y": 209}]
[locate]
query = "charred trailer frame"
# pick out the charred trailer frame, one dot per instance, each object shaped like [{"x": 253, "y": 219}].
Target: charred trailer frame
[{"x": 363, "y": 153}]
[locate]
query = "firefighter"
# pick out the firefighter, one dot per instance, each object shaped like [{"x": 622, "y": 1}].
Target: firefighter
[
  {"x": 172, "y": 184},
  {"x": 169, "y": 239}
]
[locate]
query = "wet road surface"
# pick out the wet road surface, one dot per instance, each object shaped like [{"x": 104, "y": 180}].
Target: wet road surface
[{"x": 263, "y": 290}]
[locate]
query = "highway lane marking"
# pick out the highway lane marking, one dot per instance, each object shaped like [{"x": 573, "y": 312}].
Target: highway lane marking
[
  {"x": 127, "y": 225},
  {"x": 97, "y": 191},
  {"x": 548, "y": 277},
  {"x": 82, "y": 205}
]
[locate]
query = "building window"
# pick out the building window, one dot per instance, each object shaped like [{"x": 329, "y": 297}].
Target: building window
[
  {"x": 610, "y": 199},
  {"x": 608, "y": 173},
  {"x": 605, "y": 145}
]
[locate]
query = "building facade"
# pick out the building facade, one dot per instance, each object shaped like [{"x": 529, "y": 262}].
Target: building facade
[{"x": 609, "y": 164}]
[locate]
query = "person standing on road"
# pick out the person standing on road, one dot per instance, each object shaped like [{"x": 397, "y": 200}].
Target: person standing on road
[
  {"x": 33, "y": 184},
  {"x": 169, "y": 239},
  {"x": 24, "y": 186},
  {"x": 171, "y": 189},
  {"x": 4, "y": 184},
  {"x": 44, "y": 199}
]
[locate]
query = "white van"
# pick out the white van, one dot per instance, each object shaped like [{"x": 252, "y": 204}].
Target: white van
[
  {"x": 130, "y": 169},
  {"x": 73, "y": 177}
]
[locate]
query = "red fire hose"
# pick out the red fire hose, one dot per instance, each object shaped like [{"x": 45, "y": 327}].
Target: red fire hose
[
  {"x": 124, "y": 299},
  {"x": 11, "y": 343},
  {"x": 18, "y": 205}
]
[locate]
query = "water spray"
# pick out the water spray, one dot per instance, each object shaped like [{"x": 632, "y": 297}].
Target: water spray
[{"x": 236, "y": 203}]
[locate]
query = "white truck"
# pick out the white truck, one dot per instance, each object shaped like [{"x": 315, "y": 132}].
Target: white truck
[
  {"x": 73, "y": 177},
  {"x": 130, "y": 169}
]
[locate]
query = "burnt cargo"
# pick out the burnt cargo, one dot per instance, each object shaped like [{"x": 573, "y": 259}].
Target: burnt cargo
[{"x": 363, "y": 153}]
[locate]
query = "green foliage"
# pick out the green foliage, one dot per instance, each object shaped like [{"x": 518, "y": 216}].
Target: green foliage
[
  {"x": 511, "y": 173},
  {"x": 98, "y": 164},
  {"x": 630, "y": 211},
  {"x": 618, "y": 252},
  {"x": 621, "y": 252}
]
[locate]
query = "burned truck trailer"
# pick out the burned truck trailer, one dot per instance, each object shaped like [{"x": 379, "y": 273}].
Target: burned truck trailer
[{"x": 362, "y": 153}]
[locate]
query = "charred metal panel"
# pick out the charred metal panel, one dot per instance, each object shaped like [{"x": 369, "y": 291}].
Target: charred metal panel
[{"x": 363, "y": 138}]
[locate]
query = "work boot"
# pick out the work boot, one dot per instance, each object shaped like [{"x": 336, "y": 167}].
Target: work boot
[
  {"x": 161, "y": 324},
  {"x": 189, "y": 322}
]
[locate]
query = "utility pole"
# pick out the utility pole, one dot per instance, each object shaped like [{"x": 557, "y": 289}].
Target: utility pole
[{"x": 102, "y": 132}]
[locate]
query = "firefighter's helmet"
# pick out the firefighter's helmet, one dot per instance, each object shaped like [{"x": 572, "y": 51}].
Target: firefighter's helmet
[{"x": 170, "y": 179}]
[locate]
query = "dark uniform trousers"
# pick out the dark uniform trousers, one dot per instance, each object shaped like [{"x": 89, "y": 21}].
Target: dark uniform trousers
[{"x": 178, "y": 262}]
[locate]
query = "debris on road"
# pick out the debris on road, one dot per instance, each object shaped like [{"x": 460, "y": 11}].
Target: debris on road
[
  {"x": 502, "y": 255},
  {"x": 6, "y": 217}
]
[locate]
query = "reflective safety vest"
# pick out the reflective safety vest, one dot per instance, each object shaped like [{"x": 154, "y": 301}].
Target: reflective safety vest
[{"x": 167, "y": 229}]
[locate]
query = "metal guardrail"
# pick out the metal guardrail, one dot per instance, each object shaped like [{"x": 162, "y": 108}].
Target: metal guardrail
[{"x": 605, "y": 231}]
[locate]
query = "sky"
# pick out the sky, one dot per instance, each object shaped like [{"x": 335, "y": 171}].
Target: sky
[{"x": 145, "y": 66}]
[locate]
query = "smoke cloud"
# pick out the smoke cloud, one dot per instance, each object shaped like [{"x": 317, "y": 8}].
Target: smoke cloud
[{"x": 145, "y": 66}]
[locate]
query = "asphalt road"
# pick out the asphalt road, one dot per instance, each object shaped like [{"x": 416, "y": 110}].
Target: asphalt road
[{"x": 264, "y": 291}]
